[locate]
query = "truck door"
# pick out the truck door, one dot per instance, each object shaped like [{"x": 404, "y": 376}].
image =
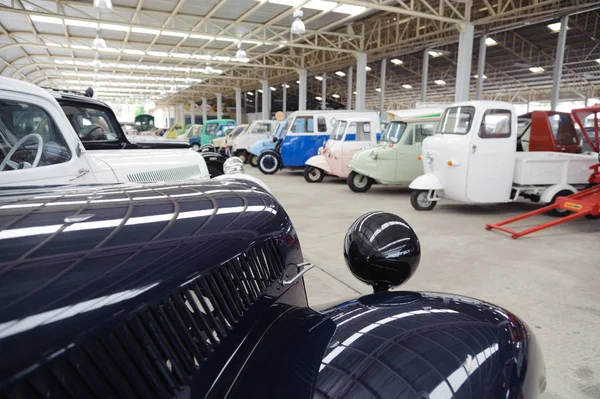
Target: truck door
[
  {"x": 301, "y": 142},
  {"x": 492, "y": 157}
]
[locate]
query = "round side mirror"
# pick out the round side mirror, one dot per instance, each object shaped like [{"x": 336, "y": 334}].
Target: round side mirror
[
  {"x": 274, "y": 139},
  {"x": 382, "y": 250}
]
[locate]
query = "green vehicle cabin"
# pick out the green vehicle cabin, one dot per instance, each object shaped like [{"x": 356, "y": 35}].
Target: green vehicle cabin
[
  {"x": 212, "y": 129},
  {"x": 394, "y": 159},
  {"x": 144, "y": 123}
]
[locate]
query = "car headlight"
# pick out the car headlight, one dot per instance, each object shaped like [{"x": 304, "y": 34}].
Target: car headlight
[
  {"x": 429, "y": 157},
  {"x": 233, "y": 165},
  {"x": 328, "y": 153},
  {"x": 374, "y": 154}
]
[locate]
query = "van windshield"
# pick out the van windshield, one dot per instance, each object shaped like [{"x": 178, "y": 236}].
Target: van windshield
[
  {"x": 281, "y": 128},
  {"x": 338, "y": 130},
  {"x": 393, "y": 132},
  {"x": 456, "y": 120}
]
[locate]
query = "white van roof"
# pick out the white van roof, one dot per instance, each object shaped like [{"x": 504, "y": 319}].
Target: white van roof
[
  {"x": 332, "y": 112},
  {"x": 416, "y": 113}
]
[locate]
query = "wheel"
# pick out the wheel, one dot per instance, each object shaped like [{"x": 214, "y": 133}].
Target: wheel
[
  {"x": 419, "y": 200},
  {"x": 253, "y": 160},
  {"x": 313, "y": 175},
  {"x": 214, "y": 171},
  {"x": 196, "y": 147},
  {"x": 243, "y": 155},
  {"x": 559, "y": 213},
  {"x": 359, "y": 183},
  {"x": 268, "y": 163}
]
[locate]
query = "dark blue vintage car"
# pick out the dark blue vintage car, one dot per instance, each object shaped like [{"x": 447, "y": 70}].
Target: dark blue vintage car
[{"x": 196, "y": 290}]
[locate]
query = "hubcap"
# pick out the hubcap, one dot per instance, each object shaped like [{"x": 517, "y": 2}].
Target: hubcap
[
  {"x": 314, "y": 174},
  {"x": 360, "y": 181},
  {"x": 269, "y": 163},
  {"x": 422, "y": 200}
]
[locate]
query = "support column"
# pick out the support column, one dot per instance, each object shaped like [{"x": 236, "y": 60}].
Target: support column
[
  {"x": 425, "y": 75},
  {"x": 256, "y": 93},
  {"x": 481, "y": 67},
  {"x": 182, "y": 113},
  {"x": 558, "y": 62},
  {"x": 463, "y": 65},
  {"x": 284, "y": 105},
  {"x": 350, "y": 91},
  {"x": 168, "y": 117},
  {"x": 324, "y": 92},
  {"x": 382, "y": 80},
  {"x": 192, "y": 112},
  {"x": 238, "y": 105},
  {"x": 361, "y": 81},
  {"x": 204, "y": 117},
  {"x": 266, "y": 112},
  {"x": 219, "y": 105},
  {"x": 302, "y": 73}
]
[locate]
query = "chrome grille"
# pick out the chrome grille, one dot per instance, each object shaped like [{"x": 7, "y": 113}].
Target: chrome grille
[{"x": 173, "y": 174}]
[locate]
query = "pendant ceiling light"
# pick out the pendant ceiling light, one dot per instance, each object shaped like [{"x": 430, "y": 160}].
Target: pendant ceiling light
[
  {"x": 98, "y": 42},
  {"x": 209, "y": 70},
  {"x": 103, "y": 4},
  {"x": 298, "y": 27},
  {"x": 241, "y": 54}
]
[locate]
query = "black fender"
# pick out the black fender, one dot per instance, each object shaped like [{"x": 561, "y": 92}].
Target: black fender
[
  {"x": 214, "y": 161},
  {"x": 428, "y": 345}
]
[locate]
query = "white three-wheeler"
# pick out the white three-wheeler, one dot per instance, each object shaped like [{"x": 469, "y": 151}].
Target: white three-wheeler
[
  {"x": 473, "y": 158},
  {"x": 349, "y": 135}
]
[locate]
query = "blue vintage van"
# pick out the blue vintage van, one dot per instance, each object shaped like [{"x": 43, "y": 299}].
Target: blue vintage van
[
  {"x": 266, "y": 144},
  {"x": 304, "y": 133}
]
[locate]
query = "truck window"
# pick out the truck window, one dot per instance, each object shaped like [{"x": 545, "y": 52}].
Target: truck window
[
  {"x": 321, "y": 125},
  {"x": 423, "y": 130},
  {"x": 261, "y": 128},
  {"x": 91, "y": 123},
  {"x": 457, "y": 120},
  {"x": 363, "y": 131},
  {"x": 496, "y": 123},
  {"x": 33, "y": 130},
  {"x": 303, "y": 124},
  {"x": 563, "y": 129}
]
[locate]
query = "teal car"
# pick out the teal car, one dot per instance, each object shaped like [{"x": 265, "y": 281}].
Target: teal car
[{"x": 211, "y": 129}]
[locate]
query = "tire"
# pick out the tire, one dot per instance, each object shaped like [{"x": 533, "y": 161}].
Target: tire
[
  {"x": 269, "y": 163},
  {"x": 419, "y": 201},
  {"x": 196, "y": 147},
  {"x": 313, "y": 175},
  {"x": 243, "y": 155},
  {"x": 359, "y": 183},
  {"x": 214, "y": 171},
  {"x": 253, "y": 160},
  {"x": 559, "y": 213}
]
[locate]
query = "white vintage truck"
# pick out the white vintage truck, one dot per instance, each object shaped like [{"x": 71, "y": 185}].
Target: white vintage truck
[{"x": 38, "y": 146}]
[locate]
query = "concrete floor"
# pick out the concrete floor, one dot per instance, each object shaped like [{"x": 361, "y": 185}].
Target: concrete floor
[{"x": 550, "y": 279}]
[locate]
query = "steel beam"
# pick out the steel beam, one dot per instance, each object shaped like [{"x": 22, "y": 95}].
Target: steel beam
[
  {"x": 350, "y": 91},
  {"x": 558, "y": 63},
  {"x": 463, "y": 66},
  {"x": 238, "y": 105},
  {"x": 266, "y": 106},
  {"x": 425, "y": 75},
  {"x": 302, "y": 74},
  {"x": 361, "y": 81},
  {"x": 382, "y": 84},
  {"x": 481, "y": 67}
]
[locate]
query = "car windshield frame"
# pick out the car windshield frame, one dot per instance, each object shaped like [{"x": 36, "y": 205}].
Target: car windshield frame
[
  {"x": 339, "y": 130},
  {"x": 108, "y": 116},
  {"x": 445, "y": 127},
  {"x": 390, "y": 135}
]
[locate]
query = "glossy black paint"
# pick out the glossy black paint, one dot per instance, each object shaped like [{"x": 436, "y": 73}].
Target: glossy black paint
[
  {"x": 382, "y": 250},
  {"x": 77, "y": 263},
  {"x": 429, "y": 345}
]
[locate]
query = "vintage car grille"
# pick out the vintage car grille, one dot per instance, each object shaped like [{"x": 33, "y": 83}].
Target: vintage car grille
[
  {"x": 173, "y": 174},
  {"x": 156, "y": 351}
]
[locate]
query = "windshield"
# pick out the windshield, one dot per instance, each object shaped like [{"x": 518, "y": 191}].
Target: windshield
[
  {"x": 237, "y": 131},
  {"x": 211, "y": 128},
  {"x": 456, "y": 120},
  {"x": 338, "y": 130},
  {"x": 228, "y": 129},
  {"x": 394, "y": 132},
  {"x": 91, "y": 124},
  {"x": 28, "y": 137}
]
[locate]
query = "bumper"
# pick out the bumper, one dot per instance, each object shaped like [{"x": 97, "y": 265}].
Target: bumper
[
  {"x": 321, "y": 162},
  {"x": 426, "y": 182}
]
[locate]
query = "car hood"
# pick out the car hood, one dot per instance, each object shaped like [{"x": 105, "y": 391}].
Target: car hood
[
  {"x": 157, "y": 142},
  {"x": 153, "y": 165}
]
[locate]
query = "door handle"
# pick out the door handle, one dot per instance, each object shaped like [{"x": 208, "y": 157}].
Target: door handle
[
  {"x": 474, "y": 148},
  {"x": 303, "y": 268}
]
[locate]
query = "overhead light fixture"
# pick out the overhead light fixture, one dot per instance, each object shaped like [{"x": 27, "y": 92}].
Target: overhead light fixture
[
  {"x": 250, "y": 93},
  {"x": 319, "y": 98},
  {"x": 202, "y": 37},
  {"x": 157, "y": 53},
  {"x": 80, "y": 47},
  {"x": 247, "y": 41},
  {"x": 350, "y": 9},
  {"x": 490, "y": 42},
  {"x": 368, "y": 69},
  {"x": 378, "y": 90},
  {"x": 226, "y": 39},
  {"x": 354, "y": 92},
  {"x": 598, "y": 60},
  {"x": 396, "y": 61},
  {"x": 434, "y": 53},
  {"x": 48, "y": 20},
  {"x": 320, "y": 5},
  {"x": 103, "y": 4},
  {"x": 222, "y": 58},
  {"x": 97, "y": 64},
  {"x": 407, "y": 86},
  {"x": 340, "y": 74},
  {"x": 319, "y": 78},
  {"x": 537, "y": 69},
  {"x": 298, "y": 27},
  {"x": 175, "y": 34},
  {"x": 109, "y": 50},
  {"x": 282, "y": 2},
  {"x": 272, "y": 88},
  {"x": 145, "y": 31},
  {"x": 287, "y": 86},
  {"x": 180, "y": 55},
  {"x": 133, "y": 51},
  {"x": 240, "y": 54},
  {"x": 52, "y": 44},
  {"x": 209, "y": 70},
  {"x": 120, "y": 28},
  {"x": 83, "y": 24},
  {"x": 298, "y": 82},
  {"x": 555, "y": 27},
  {"x": 260, "y": 90},
  {"x": 477, "y": 76},
  {"x": 201, "y": 56},
  {"x": 335, "y": 95},
  {"x": 99, "y": 42},
  {"x": 440, "y": 82}
]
